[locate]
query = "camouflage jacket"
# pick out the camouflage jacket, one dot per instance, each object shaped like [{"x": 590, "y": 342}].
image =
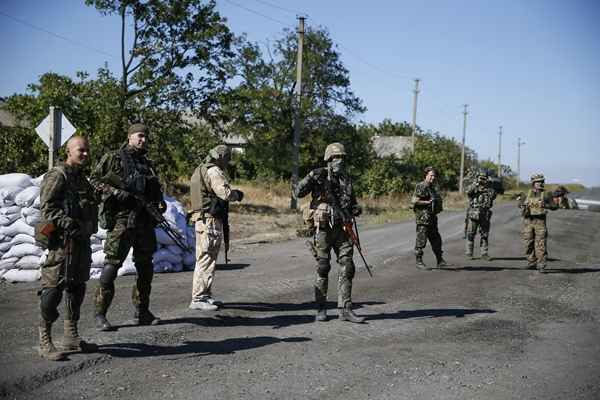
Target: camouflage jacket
[
  {"x": 536, "y": 204},
  {"x": 66, "y": 196},
  {"x": 481, "y": 197},
  {"x": 130, "y": 170},
  {"x": 425, "y": 214},
  {"x": 332, "y": 196}
]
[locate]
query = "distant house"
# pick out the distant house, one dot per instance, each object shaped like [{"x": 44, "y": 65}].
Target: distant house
[
  {"x": 385, "y": 146},
  {"x": 236, "y": 143}
]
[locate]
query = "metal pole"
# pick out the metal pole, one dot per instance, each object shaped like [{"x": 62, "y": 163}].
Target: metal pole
[
  {"x": 519, "y": 144},
  {"x": 54, "y": 126},
  {"x": 414, "y": 116},
  {"x": 462, "y": 152},
  {"x": 297, "y": 116},
  {"x": 500, "y": 153}
]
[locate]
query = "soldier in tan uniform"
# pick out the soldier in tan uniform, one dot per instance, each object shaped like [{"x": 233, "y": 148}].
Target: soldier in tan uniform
[
  {"x": 210, "y": 194},
  {"x": 69, "y": 217},
  {"x": 534, "y": 208}
]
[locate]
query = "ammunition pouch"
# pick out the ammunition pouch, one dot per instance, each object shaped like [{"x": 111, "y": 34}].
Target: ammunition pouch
[
  {"x": 308, "y": 216},
  {"x": 322, "y": 214},
  {"x": 474, "y": 214}
]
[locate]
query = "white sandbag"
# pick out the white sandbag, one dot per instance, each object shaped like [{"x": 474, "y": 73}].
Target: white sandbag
[
  {"x": 127, "y": 269},
  {"x": 8, "y": 194},
  {"x": 17, "y": 227},
  {"x": 189, "y": 259},
  {"x": 22, "y": 238},
  {"x": 23, "y": 249},
  {"x": 22, "y": 275},
  {"x": 8, "y": 219},
  {"x": 15, "y": 179},
  {"x": 191, "y": 236},
  {"x": 37, "y": 181},
  {"x": 101, "y": 234},
  {"x": 27, "y": 211},
  {"x": 162, "y": 237},
  {"x": 8, "y": 263},
  {"x": 32, "y": 220},
  {"x": 175, "y": 249},
  {"x": 28, "y": 262},
  {"x": 97, "y": 247},
  {"x": 36, "y": 202},
  {"x": 98, "y": 258},
  {"x": 43, "y": 257},
  {"x": 5, "y": 246},
  {"x": 165, "y": 255},
  {"x": 95, "y": 273},
  {"x": 2, "y": 272},
  {"x": 27, "y": 196},
  {"x": 10, "y": 210},
  {"x": 165, "y": 266}
]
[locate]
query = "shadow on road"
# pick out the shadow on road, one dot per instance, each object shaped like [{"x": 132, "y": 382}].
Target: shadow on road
[
  {"x": 231, "y": 267},
  {"x": 276, "y": 322},
  {"x": 519, "y": 259},
  {"x": 290, "y": 306},
  {"x": 571, "y": 270},
  {"x": 429, "y": 313},
  {"x": 196, "y": 348},
  {"x": 487, "y": 268}
]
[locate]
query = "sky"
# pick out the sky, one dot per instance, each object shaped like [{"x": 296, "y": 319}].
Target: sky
[{"x": 530, "y": 66}]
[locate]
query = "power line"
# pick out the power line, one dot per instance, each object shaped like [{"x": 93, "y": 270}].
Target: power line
[
  {"x": 257, "y": 13},
  {"x": 56, "y": 35},
  {"x": 287, "y": 10}
]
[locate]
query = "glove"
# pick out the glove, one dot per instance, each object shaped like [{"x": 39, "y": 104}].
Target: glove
[
  {"x": 120, "y": 195},
  {"x": 73, "y": 228},
  {"x": 238, "y": 195},
  {"x": 356, "y": 210}
]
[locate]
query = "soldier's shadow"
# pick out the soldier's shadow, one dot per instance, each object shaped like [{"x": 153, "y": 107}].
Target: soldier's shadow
[
  {"x": 519, "y": 259},
  {"x": 231, "y": 266},
  {"x": 430, "y": 313},
  {"x": 275, "y": 322},
  {"x": 193, "y": 348},
  {"x": 266, "y": 307}
]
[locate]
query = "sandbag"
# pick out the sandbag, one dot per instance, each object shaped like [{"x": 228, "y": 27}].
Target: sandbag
[
  {"x": 8, "y": 194},
  {"x": 165, "y": 255},
  {"x": 28, "y": 262},
  {"x": 22, "y": 275},
  {"x": 175, "y": 249},
  {"x": 32, "y": 220},
  {"x": 95, "y": 273},
  {"x": 8, "y": 263},
  {"x": 97, "y": 247},
  {"x": 10, "y": 210},
  {"x": 98, "y": 258},
  {"x": 19, "y": 226},
  {"x": 5, "y": 246},
  {"x": 162, "y": 237},
  {"x": 189, "y": 259},
  {"x": 6, "y": 220},
  {"x": 27, "y": 196},
  {"x": 37, "y": 181},
  {"x": 22, "y": 238},
  {"x": 23, "y": 249},
  {"x": 15, "y": 179}
]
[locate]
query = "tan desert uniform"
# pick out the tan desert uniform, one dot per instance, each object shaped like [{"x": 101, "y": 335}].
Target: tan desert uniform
[{"x": 209, "y": 228}]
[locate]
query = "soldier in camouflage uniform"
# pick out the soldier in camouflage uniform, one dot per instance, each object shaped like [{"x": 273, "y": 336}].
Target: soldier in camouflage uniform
[
  {"x": 69, "y": 217},
  {"x": 481, "y": 199},
  {"x": 121, "y": 176},
  {"x": 210, "y": 195},
  {"x": 534, "y": 207},
  {"x": 332, "y": 205},
  {"x": 427, "y": 204}
]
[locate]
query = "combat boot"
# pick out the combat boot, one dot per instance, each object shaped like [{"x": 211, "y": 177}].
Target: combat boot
[
  {"x": 102, "y": 323},
  {"x": 321, "y": 302},
  {"x": 47, "y": 349},
  {"x": 469, "y": 249},
  {"x": 321, "y": 314},
  {"x": 441, "y": 263},
  {"x": 485, "y": 257},
  {"x": 346, "y": 314},
  {"x": 542, "y": 268},
  {"x": 73, "y": 342},
  {"x": 420, "y": 264},
  {"x": 143, "y": 316}
]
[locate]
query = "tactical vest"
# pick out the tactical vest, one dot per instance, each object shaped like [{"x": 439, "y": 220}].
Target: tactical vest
[
  {"x": 203, "y": 200},
  {"x": 139, "y": 177},
  {"x": 535, "y": 203}
]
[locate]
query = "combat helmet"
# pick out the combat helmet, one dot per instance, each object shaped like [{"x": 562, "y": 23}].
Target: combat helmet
[
  {"x": 220, "y": 152},
  {"x": 482, "y": 177},
  {"x": 334, "y": 149},
  {"x": 537, "y": 178}
]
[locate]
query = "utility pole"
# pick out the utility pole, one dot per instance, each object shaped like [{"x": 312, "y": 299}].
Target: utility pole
[
  {"x": 500, "y": 153},
  {"x": 54, "y": 118},
  {"x": 414, "y": 119},
  {"x": 519, "y": 144},
  {"x": 297, "y": 116},
  {"x": 462, "y": 152}
]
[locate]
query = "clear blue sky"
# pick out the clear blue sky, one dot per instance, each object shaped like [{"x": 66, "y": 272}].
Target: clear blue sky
[{"x": 532, "y": 66}]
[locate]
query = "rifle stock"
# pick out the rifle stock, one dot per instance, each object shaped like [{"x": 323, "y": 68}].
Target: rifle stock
[{"x": 354, "y": 238}]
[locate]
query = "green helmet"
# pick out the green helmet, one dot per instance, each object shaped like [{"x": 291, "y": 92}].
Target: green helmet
[
  {"x": 220, "y": 153},
  {"x": 537, "y": 178},
  {"x": 334, "y": 149}
]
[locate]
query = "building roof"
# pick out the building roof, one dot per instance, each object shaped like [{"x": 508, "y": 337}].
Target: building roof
[{"x": 386, "y": 146}]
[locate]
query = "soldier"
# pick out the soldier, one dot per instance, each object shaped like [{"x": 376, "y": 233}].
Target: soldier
[
  {"x": 535, "y": 233},
  {"x": 332, "y": 205},
  {"x": 427, "y": 204},
  {"x": 560, "y": 197},
  {"x": 126, "y": 178},
  {"x": 481, "y": 199},
  {"x": 211, "y": 195},
  {"x": 69, "y": 218}
]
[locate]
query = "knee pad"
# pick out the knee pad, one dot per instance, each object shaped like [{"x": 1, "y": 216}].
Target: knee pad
[
  {"x": 49, "y": 301},
  {"x": 323, "y": 267},
  {"x": 108, "y": 275},
  {"x": 347, "y": 268}
]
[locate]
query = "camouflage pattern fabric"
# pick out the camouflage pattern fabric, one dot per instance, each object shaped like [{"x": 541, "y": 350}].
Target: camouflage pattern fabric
[
  {"x": 535, "y": 235},
  {"x": 425, "y": 214},
  {"x": 428, "y": 232},
  {"x": 481, "y": 200}
]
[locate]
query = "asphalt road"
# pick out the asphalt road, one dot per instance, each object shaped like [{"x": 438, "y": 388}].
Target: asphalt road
[{"x": 478, "y": 330}]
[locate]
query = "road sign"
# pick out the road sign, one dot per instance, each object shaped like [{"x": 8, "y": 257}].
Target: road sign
[{"x": 65, "y": 128}]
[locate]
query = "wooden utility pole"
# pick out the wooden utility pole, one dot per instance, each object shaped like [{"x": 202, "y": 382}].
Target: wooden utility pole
[
  {"x": 54, "y": 127},
  {"x": 500, "y": 152},
  {"x": 297, "y": 116},
  {"x": 414, "y": 116},
  {"x": 519, "y": 144},
  {"x": 462, "y": 152}
]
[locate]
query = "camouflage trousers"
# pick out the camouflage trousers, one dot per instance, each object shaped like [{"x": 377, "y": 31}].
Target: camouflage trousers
[
  {"x": 428, "y": 232},
  {"x": 118, "y": 242},
  {"x": 534, "y": 235},
  {"x": 336, "y": 239},
  {"x": 209, "y": 235},
  {"x": 483, "y": 225},
  {"x": 57, "y": 277}
]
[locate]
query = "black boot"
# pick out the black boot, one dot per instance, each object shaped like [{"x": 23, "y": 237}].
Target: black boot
[
  {"x": 346, "y": 314},
  {"x": 102, "y": 323},
  {"x": 143, "y": 316},
  {"x": 420, "y": 264}
]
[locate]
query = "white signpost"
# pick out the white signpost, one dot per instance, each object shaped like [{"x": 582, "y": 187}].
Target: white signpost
[{"x": 54, "y": 130}]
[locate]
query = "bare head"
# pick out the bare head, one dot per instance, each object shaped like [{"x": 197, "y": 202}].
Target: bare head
[
  {"x": 137, "y": 135},
  {"x": 430, "y": 175},
  {"x": 78, "y": 151}
]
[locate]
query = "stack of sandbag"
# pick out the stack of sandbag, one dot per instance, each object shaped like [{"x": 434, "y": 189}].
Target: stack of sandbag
[
  {"x": 19, "y": 212},
  {"x": 20, "y": 257}
]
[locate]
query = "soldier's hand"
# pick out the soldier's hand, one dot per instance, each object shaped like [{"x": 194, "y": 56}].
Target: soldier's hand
[
  {"x": 73, "y": 228},
  {"x": 238, "y": 195},
  {"x": 356, "y": 210},
  {"x": 120, "y": 195}
]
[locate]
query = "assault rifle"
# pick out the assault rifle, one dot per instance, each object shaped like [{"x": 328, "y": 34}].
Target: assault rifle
[
  {"x": 356, "y": 241},
  {"x": 69, "y": 246},
  {"x": 226, "y": 231}
]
